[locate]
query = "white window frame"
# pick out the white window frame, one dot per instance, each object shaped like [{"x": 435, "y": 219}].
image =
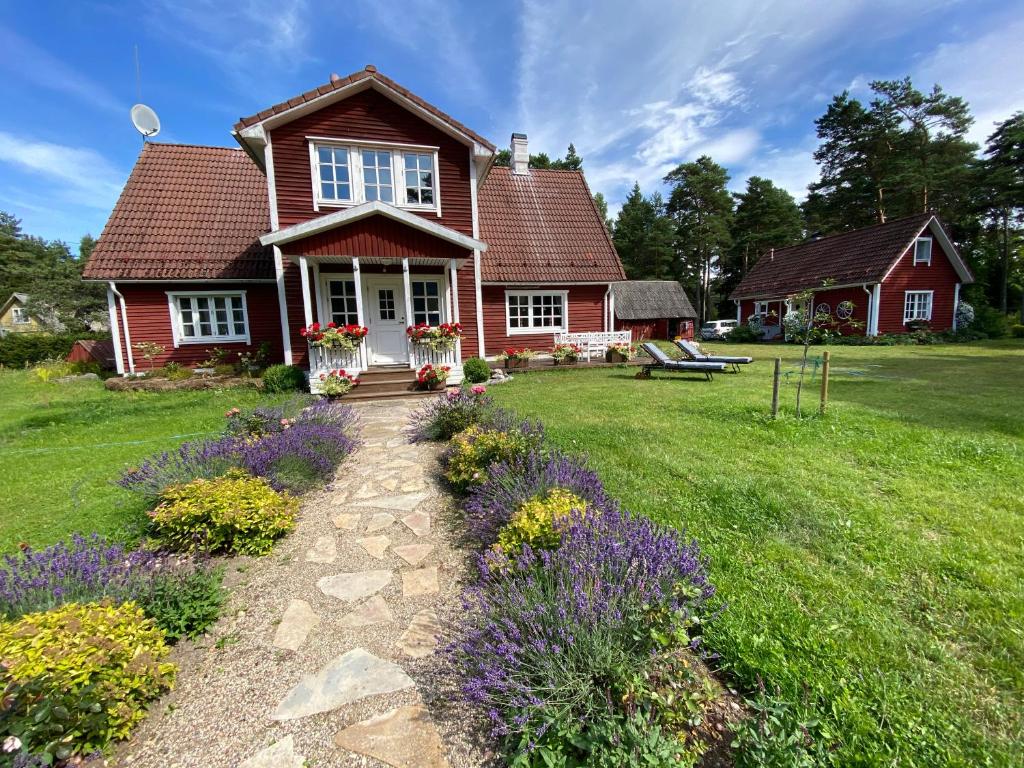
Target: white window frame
[
  {"x": 325, "y": 313},
  {"x": 439, "y": 282},
  {"x": 19, "y": 316},
  {"x": 910, "y": 310},
  {"x": 535, "y": 329},
  {"x": 178, "y": 330},
  {"x": 355, "y": 169},
  {"x": 762, "y": 308},
  {"x": 931, "y": 246}
]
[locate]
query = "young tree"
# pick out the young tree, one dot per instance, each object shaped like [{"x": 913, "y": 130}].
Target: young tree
[
  {"x": 766, "y": 217},
  {"x": 701, "y": 209},
  {"x": 571, "y": 161},
  {"x": 541, "y": 160},
  {"x": 643, "y": 237},
  {"x": 602, "y": 208}
]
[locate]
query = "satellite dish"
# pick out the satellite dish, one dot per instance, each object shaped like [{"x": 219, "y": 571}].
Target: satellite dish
[{"x": 145, "y": 121}]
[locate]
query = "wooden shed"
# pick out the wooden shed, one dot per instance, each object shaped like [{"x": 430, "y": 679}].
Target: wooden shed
[{"x": 652, "y": 309}]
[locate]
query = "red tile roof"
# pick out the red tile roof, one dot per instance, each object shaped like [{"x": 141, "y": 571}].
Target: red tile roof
[
  {"x": 543, "y": 227},
  {"x": 187, "y": 212},
  {"x": 848, "y": 258},
  {"x": 369, "y": 73}
]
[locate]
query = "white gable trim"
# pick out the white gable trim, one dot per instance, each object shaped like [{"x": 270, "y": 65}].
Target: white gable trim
[
  {"x": 357, "y": 212},
  {"x": 947, "y": 248},
  {"x": 257, "y": 130}
]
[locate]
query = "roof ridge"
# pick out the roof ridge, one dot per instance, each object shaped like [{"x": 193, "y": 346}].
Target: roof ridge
[
  {"x": 191, "y": 145},
  {"x": 858, "y": 230}
]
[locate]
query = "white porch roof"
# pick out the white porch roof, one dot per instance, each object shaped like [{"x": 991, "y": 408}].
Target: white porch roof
[{"x": 364, "y": 210}]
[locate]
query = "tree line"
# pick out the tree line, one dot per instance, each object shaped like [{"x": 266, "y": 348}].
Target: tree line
[{"x": 902, "y": 153}]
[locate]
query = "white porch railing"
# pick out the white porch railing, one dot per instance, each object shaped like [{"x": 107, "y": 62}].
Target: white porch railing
[
  {"x": 421, "y": 354},
  {"x": 594, "y": 343},
  {"x": 324, "y": 359}
]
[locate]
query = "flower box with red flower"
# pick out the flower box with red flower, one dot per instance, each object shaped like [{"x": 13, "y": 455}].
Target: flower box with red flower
[
  {"x": 515, "y": 357},
  {"x": 336, "y": 383},
  {"x": 432, "y": 376},
  {"x": 334, "y": 336},
  {"x": 439, "y": 338},
  {"x": 566, "y": 354}
]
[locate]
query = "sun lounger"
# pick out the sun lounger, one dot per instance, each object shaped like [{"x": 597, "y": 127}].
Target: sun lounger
[
  {"x": 662, "y": 362},
  {"x": 692, "y": 351}
]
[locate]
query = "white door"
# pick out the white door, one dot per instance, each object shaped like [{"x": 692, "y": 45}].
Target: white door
[{"x": 385, "y": 300}]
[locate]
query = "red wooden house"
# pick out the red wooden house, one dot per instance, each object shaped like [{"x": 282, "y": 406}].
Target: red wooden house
[
  {"x": 881, "y": 279},
  {"x": 355, "y": 202}
]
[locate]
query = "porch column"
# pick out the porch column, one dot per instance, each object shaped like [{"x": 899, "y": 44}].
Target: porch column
[
  {"x": 316, "y": 291},
  {"x": 407, "y": 288},
  {"x": 360, "y": 317},
  {"x": 454, "y": 315},
  {"x": 304, "y": 277}
]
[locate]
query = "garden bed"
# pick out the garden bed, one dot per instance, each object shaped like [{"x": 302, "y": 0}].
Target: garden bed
[{"x": 194, "y": 383}]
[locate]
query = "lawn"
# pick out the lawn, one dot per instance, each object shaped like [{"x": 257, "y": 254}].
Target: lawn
[
  {"x": 871, "y": 561},
  {"x": 64, "y": 446}
]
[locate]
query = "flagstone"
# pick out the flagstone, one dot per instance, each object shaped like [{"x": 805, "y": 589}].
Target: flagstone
[
  {"x": 404, "y": 737},
  {"x": 367, "y": 491},
  {"x": 404, "y": 503},
  {"x": 422, "y": 581},
  {"x": 325, "y": 550},
  {"x": 351, "y": 587},
  {"x": 420, "y": 639},
  {"x": 379, "y": 521},
  {"x": 418, "y": 523},
  {"x": 347, "y": 521},
  {"x": 373, "y": 611},
  {"x": 375, "y": 546},
  {"x": 280, "y": 754},
  {"x": 295, "y": 625},
  {"x": 413, "y": 554},
  {"x": 350, "y": 677}
]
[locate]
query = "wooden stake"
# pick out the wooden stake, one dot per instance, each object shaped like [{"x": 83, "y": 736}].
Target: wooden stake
[
  {"x": 775, "y": 387},
  {"x": 824, "y": 380}
]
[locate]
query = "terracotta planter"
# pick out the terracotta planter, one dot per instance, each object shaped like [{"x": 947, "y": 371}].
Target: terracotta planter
[
  {"x": 567, "y": 361},
  {"x": 437, "y": 386},
  {"x": 611, "y": 356},
  {"x": 516, "y": 362}
]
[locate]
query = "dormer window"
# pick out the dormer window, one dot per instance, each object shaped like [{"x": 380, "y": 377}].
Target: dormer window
[
  {"x": 352, "y": 172},
  {"x": 923, "y": 251}
]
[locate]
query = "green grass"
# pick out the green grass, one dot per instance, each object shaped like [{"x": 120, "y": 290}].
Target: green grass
[
  {"x": 64, "y": 446},
  {"x": 871, "y": 560}
]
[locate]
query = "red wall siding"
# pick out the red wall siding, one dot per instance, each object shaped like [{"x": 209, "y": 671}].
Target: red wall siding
[
  {"x": 657, "y": 329},
  {"x": 939, "y": 276},
  {"x": 467, "y": 311},
  {"x": 376, "y": 236},
  {"x": 296, "y": 313},
  {"x": 860, "y": 308},
  {"x": 367, "y": 116},
  {"x": 149, "y": 320},
  {"x": 586, "y": 313}
]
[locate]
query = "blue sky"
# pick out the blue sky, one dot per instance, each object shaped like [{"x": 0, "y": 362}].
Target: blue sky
[{"x": 638, "y": 86}]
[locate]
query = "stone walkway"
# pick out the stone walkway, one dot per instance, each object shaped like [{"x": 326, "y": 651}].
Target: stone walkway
[{"x": 328, "y": 656}]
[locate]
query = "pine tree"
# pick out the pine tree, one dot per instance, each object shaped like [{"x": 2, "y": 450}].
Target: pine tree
[
  {"x": 701, "y": 209},
  {"x": 643, "y": 237},
  {"x": 1001, "y": 195}
]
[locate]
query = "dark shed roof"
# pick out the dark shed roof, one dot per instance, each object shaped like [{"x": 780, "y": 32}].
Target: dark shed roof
[{"x": 651, "y": 300}]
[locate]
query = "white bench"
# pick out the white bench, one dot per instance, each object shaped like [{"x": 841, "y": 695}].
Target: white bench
[{"x": 594, "y": 342}]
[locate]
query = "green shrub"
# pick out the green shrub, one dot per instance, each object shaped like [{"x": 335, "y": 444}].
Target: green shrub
[
  {"x": 183, "y": 602},
  {"x": 476, "y": 370},
  {"x": 538, "y": 522},
  {"x": 474, "y": 449},
  {"x": 18, "y": 350},
  {"x": 1017, "y": 331},
  {"x": 173, "y": 372},
  {"x": 235, "y": 513},
  {"x": 284, "y": 378},
  {"x": 990, "y": 321},
  {"x": 743, "y": 334},
  {"x": 79, "y": 677}
]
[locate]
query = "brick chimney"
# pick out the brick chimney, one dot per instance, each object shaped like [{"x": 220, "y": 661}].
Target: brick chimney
[{"x": 520, "y": 154}]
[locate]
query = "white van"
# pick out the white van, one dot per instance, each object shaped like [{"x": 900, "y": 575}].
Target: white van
[{"x": 716, "y": 329}]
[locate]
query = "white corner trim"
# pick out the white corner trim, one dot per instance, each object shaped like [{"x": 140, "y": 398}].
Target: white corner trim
[
  {"x": 956, "y": 303},
  {"x": 115, "y": 328},
  {"x": 478, "y": 290},
  {"x": 362, "y": 211},
  {"x": 282, "y": 304}
]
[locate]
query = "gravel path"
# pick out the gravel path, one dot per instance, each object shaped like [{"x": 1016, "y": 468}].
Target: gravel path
[{"x": 325, "y": 654}]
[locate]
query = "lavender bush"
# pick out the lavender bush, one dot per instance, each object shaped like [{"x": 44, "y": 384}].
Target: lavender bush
[
  {"x": 183, "y": 596},
  {"x": 444, "y": 417},
  {"x": 552, "y": 646},
  {"x": 298, "y": 458},
  {"x": 192, "y": 460},
  {"x": 491, "y": 505}
]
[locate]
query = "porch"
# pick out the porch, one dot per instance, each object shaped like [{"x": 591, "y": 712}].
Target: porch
[{"x": 386, "y": 296}]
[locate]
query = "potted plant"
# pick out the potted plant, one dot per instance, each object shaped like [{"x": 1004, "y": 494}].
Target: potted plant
[
  {"x": 619, "y": 353},
  {"x": 334, "y": 336},
  {"x": 440, "y": 338},
  {"x": 432, "y": 377},
  {"x": 566, "y": 354},
  {"x": 337, "y": 383},
  {"x": 515, "y": 358}
]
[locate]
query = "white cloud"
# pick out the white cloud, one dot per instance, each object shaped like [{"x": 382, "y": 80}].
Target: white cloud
[
  {"x": 73, "y": 175},
  {"x": 791, "y": 169}
]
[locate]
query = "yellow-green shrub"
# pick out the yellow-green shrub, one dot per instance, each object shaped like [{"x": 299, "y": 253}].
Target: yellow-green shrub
[
  {"x": 235, "y": 513},
  {"x": 474, "y": 449},
  {"x": 538, "y": 522},
  {"x": 78, "y": 677}
]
